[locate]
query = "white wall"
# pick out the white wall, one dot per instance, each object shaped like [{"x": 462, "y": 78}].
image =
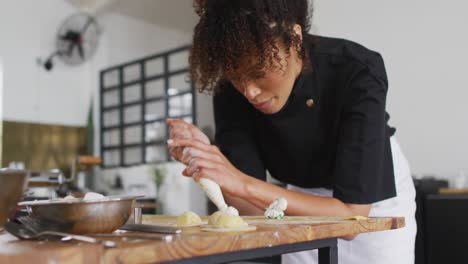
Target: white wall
[
  {"x": 1, "y": 107},
  {"x": 424, "y": 44},
  {"x": 30, "y": 93}
]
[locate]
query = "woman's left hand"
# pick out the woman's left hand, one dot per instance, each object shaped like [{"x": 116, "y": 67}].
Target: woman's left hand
[{"x": 207, "y": 161}]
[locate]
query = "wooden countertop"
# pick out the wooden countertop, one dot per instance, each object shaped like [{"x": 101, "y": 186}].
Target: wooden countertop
[
  {"x": 191, "y": 242},
  {"x": 453, "y": 191}
]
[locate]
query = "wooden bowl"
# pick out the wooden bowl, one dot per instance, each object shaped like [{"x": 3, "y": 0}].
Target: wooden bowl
[{"x": 12, "y": 185}]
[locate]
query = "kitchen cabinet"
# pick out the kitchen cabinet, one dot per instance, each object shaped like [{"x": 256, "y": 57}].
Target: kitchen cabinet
[{"x": 446, "y": 228}]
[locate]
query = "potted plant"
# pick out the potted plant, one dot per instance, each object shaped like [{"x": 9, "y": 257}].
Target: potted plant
[{"x": 159, "y": 174}]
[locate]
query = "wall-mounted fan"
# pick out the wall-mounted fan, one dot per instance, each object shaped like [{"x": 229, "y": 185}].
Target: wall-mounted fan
[{"x": 76, "y": 41}]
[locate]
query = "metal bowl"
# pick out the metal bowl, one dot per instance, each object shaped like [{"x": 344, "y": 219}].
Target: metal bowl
[
  {"x": 78, "y": 216},
  {"x": 12, "y": 186}
]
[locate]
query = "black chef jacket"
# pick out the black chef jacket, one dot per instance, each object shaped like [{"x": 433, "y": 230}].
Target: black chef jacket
[{"x": 331, "y": 133}]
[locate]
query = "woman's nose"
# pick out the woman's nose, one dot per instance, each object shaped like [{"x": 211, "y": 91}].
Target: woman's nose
[{"x": 251, "y": 91}]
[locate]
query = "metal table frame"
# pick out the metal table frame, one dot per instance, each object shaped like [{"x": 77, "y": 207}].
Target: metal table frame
[{"x": 328, "y": 253}]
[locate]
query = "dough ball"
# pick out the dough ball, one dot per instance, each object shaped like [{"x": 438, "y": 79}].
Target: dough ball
[
  {"x": 229, "y": 221},
  {"x": 276, "y": 209},
  {"x": 279, "y": 204},
  {"x": 274, "y": 214},
  {"x": 92, "y": 196},
  {"x": 188, "y": 218},
  {"x": 226, "y": 220},
  {"x": 69, "y": 197},
  {"x": 213, "y": 219}
]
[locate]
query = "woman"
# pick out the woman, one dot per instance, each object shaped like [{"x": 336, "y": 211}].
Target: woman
[{"x": 310, "y": 110}]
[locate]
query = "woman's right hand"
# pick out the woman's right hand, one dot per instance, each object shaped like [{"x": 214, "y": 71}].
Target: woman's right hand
[{"x": 179, "y": 129}]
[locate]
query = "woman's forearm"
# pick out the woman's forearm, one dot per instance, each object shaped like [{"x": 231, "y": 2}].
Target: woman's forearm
[
  {"x": 212, "y": 164},
  {"x": 261, "y": 194},
  {"x": 243, "y": 206}
]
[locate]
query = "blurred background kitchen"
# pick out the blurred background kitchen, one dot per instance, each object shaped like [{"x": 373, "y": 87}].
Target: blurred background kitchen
[{"x": 94, "y": 119}]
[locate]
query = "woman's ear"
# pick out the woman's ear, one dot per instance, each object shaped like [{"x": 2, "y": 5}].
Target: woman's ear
[{"x": 298, "y": 30}]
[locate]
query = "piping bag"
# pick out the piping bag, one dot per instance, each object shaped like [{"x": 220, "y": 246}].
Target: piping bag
[{"x": 213, "y": 191}]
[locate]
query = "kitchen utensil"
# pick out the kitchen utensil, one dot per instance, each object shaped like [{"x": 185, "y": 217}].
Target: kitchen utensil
[
  {"x": 163, "y": 237},
  {"x": 12, "y": 185},
  {"x": 23, "y": 232},
  {"x": 137, "y": 217},
  {"x": 45, "y": 184},
  {"x": 151, "y": 228},
  {"x": 81, "y": 168},
  {"x": 89, "y": 160},
  {"x": 33, "y": 225},
  {"x": 78, "y": 216}
]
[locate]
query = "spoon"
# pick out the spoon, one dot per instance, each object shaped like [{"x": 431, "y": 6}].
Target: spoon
[{"x": 22, "y": 232}]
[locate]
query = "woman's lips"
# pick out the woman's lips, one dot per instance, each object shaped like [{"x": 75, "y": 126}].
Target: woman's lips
[{"x": 263, "y": 105}]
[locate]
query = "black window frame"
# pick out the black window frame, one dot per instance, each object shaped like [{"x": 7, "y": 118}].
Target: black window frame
[{"x": 142, "y": 102}]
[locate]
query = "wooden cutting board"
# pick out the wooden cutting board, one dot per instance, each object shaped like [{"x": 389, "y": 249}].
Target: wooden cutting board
[{"x": 260, "y": 220}]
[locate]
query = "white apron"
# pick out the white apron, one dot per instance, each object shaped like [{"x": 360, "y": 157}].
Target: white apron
[{"x": 385, "y": 247}]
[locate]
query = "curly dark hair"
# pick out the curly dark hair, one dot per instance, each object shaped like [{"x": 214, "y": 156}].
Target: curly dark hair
[{"x": 239, "y": 39}]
